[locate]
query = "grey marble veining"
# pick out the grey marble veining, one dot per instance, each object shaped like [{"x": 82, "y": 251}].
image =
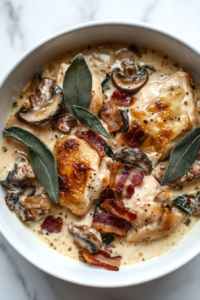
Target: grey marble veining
[{"x": 25, "y": 22}]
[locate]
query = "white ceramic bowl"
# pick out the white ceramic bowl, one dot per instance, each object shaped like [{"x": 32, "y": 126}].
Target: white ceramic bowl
[{"x": 17, "y": 234}]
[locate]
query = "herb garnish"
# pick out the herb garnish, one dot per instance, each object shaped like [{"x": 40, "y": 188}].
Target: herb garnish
[
  {"x": 183, "y": 203},
  {"x": 182, "y": 156},
  {"x": 77, "y": 90},
  {"x": 108, "y": 238},
  {"x": 77, "y": 85},
  {"x": 104, "y": 82},
  {"x": 91, "y": 120},
  {"x": 109, "y": 151},
  {"x": 42, "y": 159}
]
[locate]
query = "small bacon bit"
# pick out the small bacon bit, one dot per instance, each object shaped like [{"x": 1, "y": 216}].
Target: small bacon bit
[
  {"x": 116, "y": 169},
  {"x": 119, "y": 210},
  {"x": 52, "y": 224},
  {"x": 122, "y": 98},
  {"x": 111, "y": 116},
  {"x": 107, "y": 194},
  {"x": 120, "y": 184},
  {"x": 102, "y": 259},
  {"x": 135, "y": 136},
  {"x": 94, "y": 140},
  {"x": 136, "y": 180},
  {"x": 107, "y": 222}
]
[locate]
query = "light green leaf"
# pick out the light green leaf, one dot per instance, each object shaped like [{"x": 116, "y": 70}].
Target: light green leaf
[
  {"x": 42, "y": 159},
  {"x": 91, "y": 120},
  {"x": 77, "y": 85}
]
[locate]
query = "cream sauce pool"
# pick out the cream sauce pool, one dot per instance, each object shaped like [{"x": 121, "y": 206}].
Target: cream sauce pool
[{"x": 101, "y": 58}]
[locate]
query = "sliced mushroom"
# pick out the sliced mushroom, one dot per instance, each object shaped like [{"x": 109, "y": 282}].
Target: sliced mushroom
[
  {"x": 125, "y": 120},
  {"x": 27, "y": 205},
  {"x": 131, "y": 80},
  {"x": 85, "y": 237},
  {"x": 196, "y": 205},
  {"x": 21, "y": 172},
  {"x": 64, "y": 122},
  {"x": 135, "y": 157},
  {"x": 44, "y": 104}
]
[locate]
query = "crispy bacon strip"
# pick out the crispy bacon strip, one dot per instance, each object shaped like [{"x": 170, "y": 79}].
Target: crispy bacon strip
[
  {"x": 94, "y": 140},
  {"x": 136, "y": 180},
  {"x": 122, "y": 98},
  {"x": 120, "y": 184},
  {"x": 107, "y": 194},
  {"x": 107, "y": 222},
  {"x": 119, "y": 210},
  {"x": 52, "y": 224},
  {"x": 102, "y": 259},
  {"x": 111, "y": 116},
  {"x": 135, "y": 136}
]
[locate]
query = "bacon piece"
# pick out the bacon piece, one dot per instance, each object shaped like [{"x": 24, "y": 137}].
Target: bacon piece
[
  {"x": 135, "y": 136},
  {"x": 122, "y": 98},
  {"x": 94, "y": 140},
  {"x": 120, "y": 184},
  {"x": 52, "y": 224},
  {"x": 107, "y": 222},
  {"x": 136, "y": 180},
  {"x": 111, "y": 116},
  {"x": 102, "y": 259},
  {"x": 121, "y": 171},
  {"x": 119, "y": 210},
  {"x": 107, "y": 194}
]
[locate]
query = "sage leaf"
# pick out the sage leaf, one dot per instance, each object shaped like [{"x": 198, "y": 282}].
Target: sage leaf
[
  {"x": 182, "y": 156},
  {"x": 109, "y": 151},
  {"x": 97, "y": 207},
  {"x": 182, "y": 203},
  {"x": 91, "y": 120},
  {"x": 105, "y": 81},
  {"x": 77, "y": 85},
  {"x": 108, "y": 238},
  {"x": 42, "y": 159},
  {"x": 7, "y": 180}
]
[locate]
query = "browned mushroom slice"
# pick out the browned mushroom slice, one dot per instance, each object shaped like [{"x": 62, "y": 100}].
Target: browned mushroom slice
[
  {"x": 21, "y": 172},
  {"x": 44, "y": 104},
  {"x": 131, "y": 80},
  {"x": 27, "y": 205},
  {"x": 86, "y": 237},
  {"x": 64, "y": 122}
]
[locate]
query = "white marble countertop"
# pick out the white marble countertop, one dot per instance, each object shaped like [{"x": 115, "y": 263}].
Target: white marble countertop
[{"x": 25, "y": 22}]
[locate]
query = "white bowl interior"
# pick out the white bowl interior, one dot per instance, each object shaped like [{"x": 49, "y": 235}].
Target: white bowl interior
[{"x": 19, "y": 236}]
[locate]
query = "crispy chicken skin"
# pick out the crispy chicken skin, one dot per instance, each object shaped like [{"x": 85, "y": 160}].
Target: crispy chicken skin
[
  {"x": 156, "y": 216},
  {"x": 97, "y": 95},
  {"x": 166, "y": 111},
  {"x": 83, "y": 174},
  {"x": 192, "y": 174}
]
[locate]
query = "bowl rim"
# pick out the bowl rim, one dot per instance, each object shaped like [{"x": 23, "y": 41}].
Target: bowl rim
[{"x": 85, "y": 25}]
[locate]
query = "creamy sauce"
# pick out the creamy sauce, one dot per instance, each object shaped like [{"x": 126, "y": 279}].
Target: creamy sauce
[{"x": 101, "y": 59}]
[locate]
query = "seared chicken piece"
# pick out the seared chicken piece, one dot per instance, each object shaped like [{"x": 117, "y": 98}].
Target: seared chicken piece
[
  {"x": 192, "y": 174},
  {"x": 83, "y": 174},
  {"x": 156, "y": 216},
  {"x": 97, "y": 95},
  {"x": 166, "y": 111}
]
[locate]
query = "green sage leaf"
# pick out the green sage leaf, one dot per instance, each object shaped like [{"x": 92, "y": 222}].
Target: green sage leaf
[
  {"x": 109, "y": 151},
  {"x": 7, "y": 180},
  {"x": 90, "y": 120},
  {"x": 105, "y": 81},
  {"x": 42, "y": 159},
  {"x": 108, "y": 238},
  {"x": 182, "y": 203},
  {"x": 77, "y": 85},
  {"x": 182, "y": 156}
]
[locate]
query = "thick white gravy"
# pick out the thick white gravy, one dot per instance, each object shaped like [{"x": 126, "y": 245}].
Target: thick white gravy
[{"x": 101, "y": 59}]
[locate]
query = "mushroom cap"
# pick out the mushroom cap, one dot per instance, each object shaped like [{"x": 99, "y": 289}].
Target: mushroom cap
[
  {"x": 135, "y": 157},
  {"x": 44, "y": 104},
  {"x": 131, "y": 80}
]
